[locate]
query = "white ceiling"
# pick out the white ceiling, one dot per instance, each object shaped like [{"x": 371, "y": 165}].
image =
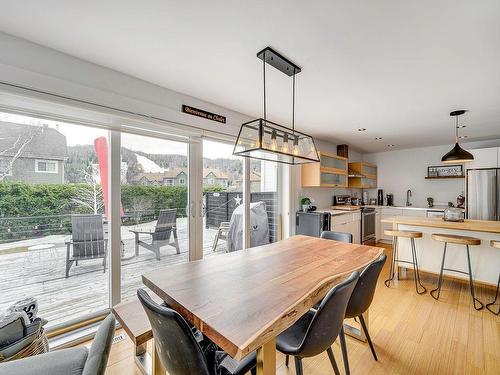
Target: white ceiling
[{"x": 396, "y": 68}]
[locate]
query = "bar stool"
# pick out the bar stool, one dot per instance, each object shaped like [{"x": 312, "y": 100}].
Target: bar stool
[
  {"x": 395, "y": 234},
  {"x": 459, "y": 240},
  {"x": 497, "y": 245}
]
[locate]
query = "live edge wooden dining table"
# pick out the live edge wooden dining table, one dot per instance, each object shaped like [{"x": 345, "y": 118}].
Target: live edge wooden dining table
[{"x": 243, "y": 300}]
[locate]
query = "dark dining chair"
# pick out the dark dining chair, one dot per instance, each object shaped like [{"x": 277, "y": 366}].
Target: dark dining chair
[
  {"x": 360, "y": 301},
  {"x": 179, "y": 351},
  {"x": 336, "y": 236},
  {"x": 317, "y": 330}
]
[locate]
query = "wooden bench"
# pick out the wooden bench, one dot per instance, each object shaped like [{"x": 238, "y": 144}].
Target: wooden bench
[{"x": 135, "y": 322}]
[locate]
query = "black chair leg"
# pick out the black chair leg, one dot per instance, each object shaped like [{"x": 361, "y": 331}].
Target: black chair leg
[
  {"x": 343, "y": 345},
  {"x": 332, "y": 361},
  {"x": 365, "y": 330},
  {"x": 287, "y": 360},
  {"x": 495, "y": 300},
  {"x": 298, "y": 366},
  {"x": 393, "y": 262},
  {"x": 478, "y": 305},
  {"x": 416, "y": 273},
  {"x": 440, "y": 280}
]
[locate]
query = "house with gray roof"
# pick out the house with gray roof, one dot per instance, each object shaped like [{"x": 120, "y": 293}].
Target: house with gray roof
[
  {"x": 179, "y": 177},
  {"x": 32, "y": 154}
]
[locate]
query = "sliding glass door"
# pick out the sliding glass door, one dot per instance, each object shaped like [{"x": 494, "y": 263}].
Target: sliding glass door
[
  {"x": 53, "y": 226},
  {"x": 181, "y": 198},
  {"x": 154, "y": 213},
  {"x": 222, "y": 198}
]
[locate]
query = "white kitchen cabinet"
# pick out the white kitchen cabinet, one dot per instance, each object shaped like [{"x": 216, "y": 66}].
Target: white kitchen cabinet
[
  {"x": 484, "y": 158},
  {"x": 377, "y": 225},
  {"x": 348, "y": 223}
]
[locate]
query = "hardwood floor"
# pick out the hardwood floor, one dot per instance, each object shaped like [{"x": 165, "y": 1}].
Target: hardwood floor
[{"x": 412, "y": 334}]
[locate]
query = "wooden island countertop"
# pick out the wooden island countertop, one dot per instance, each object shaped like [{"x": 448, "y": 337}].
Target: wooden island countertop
[{"x": 436, "y": 222}]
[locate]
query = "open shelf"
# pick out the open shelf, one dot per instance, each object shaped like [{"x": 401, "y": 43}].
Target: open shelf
[{"x": 442, "y": 177}]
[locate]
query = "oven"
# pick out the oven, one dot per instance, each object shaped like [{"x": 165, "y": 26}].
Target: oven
[{"x": 368, "y": 224}]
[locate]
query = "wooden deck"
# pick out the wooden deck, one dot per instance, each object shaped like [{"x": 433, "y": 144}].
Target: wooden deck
[{"x": 42, "y": 275}]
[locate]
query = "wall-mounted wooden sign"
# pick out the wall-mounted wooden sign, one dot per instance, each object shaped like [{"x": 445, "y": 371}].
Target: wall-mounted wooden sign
[{"x": 201, "y": 113}]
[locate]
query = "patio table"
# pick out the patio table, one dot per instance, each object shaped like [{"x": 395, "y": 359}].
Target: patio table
[
  {"x": 45, "y": 253},
  {"x": 243, "y": 300}
]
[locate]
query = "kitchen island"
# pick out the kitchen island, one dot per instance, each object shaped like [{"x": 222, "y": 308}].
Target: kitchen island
[{"x": 484, "y": 258}]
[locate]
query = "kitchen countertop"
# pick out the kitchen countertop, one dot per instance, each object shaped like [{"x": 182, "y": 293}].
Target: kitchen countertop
[
  {"x": 435, "y": 222},
  {"x": 334, "y": 212},
  {"x": 434, "y": 208}
]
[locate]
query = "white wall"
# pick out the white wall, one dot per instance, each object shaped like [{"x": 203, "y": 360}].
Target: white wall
[{"x": 401, "y": 170}]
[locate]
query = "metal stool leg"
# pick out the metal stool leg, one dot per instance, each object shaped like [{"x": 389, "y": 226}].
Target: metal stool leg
[
  {"x": 440, "y": 280},
  {"x": 478, "y": 305},
  {"x": 416, "y": 274},
  {"x": 393, "y": 262},
  {"x": 495, "y": 300}
]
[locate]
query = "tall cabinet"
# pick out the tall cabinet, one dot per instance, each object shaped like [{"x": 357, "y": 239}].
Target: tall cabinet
[{"x": 331, "y": 171}]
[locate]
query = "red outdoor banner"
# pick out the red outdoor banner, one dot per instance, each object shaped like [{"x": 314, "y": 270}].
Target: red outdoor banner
[{"x": 101, "y": 149}]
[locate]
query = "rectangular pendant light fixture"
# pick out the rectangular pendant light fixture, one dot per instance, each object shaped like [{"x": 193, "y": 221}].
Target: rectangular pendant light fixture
[{"x": 266, "y": 140}]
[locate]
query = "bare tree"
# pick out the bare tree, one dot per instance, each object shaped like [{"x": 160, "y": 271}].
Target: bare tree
[
  {"x": 90, "y": 197},
  {"x": 15, "y": 151},
  {"x": 140, "y": 206}
]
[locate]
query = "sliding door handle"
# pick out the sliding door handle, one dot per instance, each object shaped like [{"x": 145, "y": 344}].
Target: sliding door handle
[{"x": 191, "y": 209}]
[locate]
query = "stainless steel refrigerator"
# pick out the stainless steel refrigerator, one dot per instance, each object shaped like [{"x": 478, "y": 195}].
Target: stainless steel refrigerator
[{"x": 483, "y": 194}]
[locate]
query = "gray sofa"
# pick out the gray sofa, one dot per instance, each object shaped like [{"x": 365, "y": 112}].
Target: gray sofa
[{"x": 73, "y": 361}]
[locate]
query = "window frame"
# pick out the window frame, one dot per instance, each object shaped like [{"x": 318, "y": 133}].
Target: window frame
[{"x": 56, "y": 162}]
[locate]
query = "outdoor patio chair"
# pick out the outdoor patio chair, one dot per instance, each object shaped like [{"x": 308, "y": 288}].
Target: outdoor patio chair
[
  {"x": 165, "y": 226},
  {"x": 87, "y": 240},
  {"x": 221, "y": 234}
]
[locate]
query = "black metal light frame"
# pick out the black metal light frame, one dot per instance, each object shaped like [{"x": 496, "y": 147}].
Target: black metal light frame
[
  {"x": 264, "y": 126},
  {"x": 259, "y": 125}
]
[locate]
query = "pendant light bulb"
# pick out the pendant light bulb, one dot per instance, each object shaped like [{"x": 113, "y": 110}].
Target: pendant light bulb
[
  {"x": 296, "y": 145},
  {"x": 285, "y": 144},
  {"x": 274, "y": 144}
]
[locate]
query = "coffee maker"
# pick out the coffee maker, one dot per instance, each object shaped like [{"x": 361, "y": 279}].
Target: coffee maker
[
  {"x": 390, "y": 199},
  {"x": 380, "y": 197}
]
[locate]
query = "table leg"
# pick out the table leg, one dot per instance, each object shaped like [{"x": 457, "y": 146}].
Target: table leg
[
  {"x": 158, "y": 368},
  {"x": 266, "y": 358},
  {"x": 357, "y": 331},
  {"x": 143, "y": 359},
  {"x": 148, "y": 364}
]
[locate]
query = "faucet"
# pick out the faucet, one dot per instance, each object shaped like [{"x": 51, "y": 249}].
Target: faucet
[{"x": 408, "y": 195}]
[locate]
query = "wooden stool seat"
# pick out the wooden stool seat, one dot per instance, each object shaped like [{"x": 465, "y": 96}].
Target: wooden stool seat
[
  {"x": 496, "y": 244},
  {"x": 403, "y": 233},
  {"x": 456, "y": 239}
]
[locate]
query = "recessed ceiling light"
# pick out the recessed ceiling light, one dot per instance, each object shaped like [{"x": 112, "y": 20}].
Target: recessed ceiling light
[
  {"x": 361, "y": 129},
  {"x": 378, "y": 138},
  {"x": 390, "y": 145},
  {"x": 462, "y": 136}
]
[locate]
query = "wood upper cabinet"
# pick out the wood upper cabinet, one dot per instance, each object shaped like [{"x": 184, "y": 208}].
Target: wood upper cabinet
[
  {"x": 365, "y": 175},
  {"x": 331, "y": 171}
]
